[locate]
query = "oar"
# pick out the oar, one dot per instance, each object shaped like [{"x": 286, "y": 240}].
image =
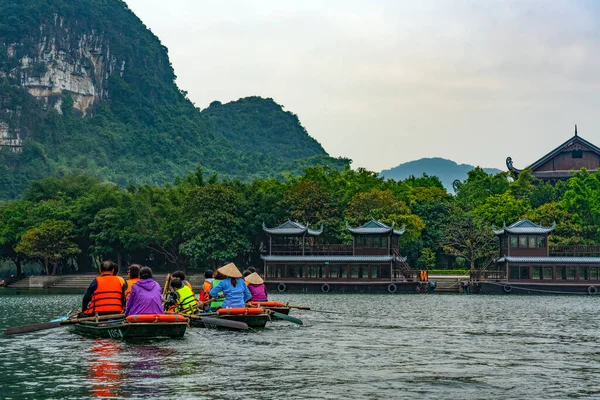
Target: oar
[
  {"x": 220, "y": 322},
  {"x": 166, "y": 287},
  {"x": 310, "y": 309},
  {"x": 287, "y": 318},
  {"x": 49, "y": 325}
]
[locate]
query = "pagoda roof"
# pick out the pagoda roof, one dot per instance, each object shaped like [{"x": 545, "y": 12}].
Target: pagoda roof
[
  {"x": 292, "y": 228},
  {"x": 523, "y": 226},
  {"x": 375, "y": 227},
  {"x": 574, "y": 141}
]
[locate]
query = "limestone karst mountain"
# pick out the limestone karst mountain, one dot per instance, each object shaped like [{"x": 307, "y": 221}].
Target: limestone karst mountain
[{"x": 84, "y": 85}]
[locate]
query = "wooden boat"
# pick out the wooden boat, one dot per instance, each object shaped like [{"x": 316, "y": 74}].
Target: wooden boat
[
  {"x": 122, "y": 329},
  {"x": 252, "y": 320},
  {"x": 272, "y": 306}
]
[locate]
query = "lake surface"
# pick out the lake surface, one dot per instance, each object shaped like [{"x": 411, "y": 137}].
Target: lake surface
[{"x": 381, "y": 346}]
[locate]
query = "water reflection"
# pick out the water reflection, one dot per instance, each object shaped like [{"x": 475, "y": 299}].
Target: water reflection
[{"x": 105, "y": 370}]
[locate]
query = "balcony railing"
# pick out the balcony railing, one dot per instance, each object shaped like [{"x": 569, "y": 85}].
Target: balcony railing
[
  {"x": 575, "y": 251},
  {"x": 488, "y": 275},
  {"x": 312, "y": 250}
]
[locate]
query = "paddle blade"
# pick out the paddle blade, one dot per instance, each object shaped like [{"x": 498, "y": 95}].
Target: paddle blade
[
  {"x": 287, "y": 318},
  {"x": 224, "y": 323},
  {"x": 32, "y": 327}
]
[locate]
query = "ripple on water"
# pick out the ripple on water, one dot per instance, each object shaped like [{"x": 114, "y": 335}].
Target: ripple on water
[{"x": 382, "y": 346}]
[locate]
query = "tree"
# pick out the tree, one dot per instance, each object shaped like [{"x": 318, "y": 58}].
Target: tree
[
  {"x": 464, "y": 237},
  {"x": 501, "y": 208},
  {"x": 12, "y": 226},
  {"x": 427, "y": 259},
  {"x": 213, "y": 231},
  {"x": 582, "y": 200},
  {"x": 50, "y": 241}
]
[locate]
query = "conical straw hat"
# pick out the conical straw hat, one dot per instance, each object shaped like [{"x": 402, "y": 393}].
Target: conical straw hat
[
  {"x": 254, "y": 279},
  {"x": 230, "y": 270}
]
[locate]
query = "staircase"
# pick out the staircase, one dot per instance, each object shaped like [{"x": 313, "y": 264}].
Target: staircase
[
  {"x": 448, "y": 283},
  {"x": 21, "y": 283}
]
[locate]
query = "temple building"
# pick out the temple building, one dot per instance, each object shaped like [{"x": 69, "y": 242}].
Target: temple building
[
  {"x": 527, "y": 264},
  {"x": 562, "y": 162},
  {"x": 296, "y": 261}
]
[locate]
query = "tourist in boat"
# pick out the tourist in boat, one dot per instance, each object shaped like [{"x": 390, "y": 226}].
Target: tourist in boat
[
  {"x": 233, "y": 287},
  {"x": 181, "y": 275},
  {"x": 217, "y": 301},
  {"x": 206, "y": 286},
  {"x": 133, "y": 275},
  {"x": 106, "y": 293},
  {"x": 245, "y": 273},
  {"x": 256, "y": 286},
  {"x": 146, "y": 295},
  {"x": 182, "y": 298}
]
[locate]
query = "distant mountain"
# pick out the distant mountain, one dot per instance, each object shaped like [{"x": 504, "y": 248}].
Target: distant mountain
[{"x": 447, "y": 170}]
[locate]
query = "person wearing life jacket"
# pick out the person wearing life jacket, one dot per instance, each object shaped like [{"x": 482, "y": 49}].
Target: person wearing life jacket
[
  {"x": 206, "y": 286},
  {"x": 256, "y": 286},
  {"x": 183, "y": 298},
  {"x": 106, "y": 293},
  {"x": 133, "y": 273},
  {"x": 181, "y": 275},
  {"x": 233, "y": 287},
  {"x": 146, "y": 295},
  {"x": 217, "y": 301}
]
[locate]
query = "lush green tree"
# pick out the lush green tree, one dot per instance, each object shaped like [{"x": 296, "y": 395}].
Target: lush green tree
[
  {"x": 567, "y": 231},
  {"x": 51, "y": 241},
  {"x": 478, "y": 187},
  {"x": 501, "y": 208},
  {"x": 427, "y": 259},
  {"x": 582, "y": 201},
  {"x": 214, "y": 231},
  {"x": 12, "y": 226}
]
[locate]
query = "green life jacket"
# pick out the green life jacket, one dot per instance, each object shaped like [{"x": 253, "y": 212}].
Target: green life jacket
[
  {"x": 217, "y": 304},
  {"x": 186, "y": 301}
]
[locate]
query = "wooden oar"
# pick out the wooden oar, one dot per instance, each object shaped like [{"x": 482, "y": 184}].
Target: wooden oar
[
  {"x": 310, "y": 309},
  {"x": 49, "y": 325},
  {"x": 166, "y": 287},
  {"x": 219, "y": 322},
  {"x": 286, "y": 317}
]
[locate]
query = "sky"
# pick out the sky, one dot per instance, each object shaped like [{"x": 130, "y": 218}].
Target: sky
[{"x": 386, "y": 82}]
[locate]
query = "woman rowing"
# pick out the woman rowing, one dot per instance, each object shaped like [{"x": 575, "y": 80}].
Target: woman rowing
[{"x": 233, "y": 287}]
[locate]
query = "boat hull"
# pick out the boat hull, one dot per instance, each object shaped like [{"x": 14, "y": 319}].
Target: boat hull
[
  {"x": 122, "y": 330},
  {"x": 253, "y": 321},
  {"x": 534, "y": 289},
  {"x": 343, "y": 287}
]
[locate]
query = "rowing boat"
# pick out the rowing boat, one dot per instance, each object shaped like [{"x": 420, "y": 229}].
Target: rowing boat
[
  {"x": 121, "y": 329},
  {"x": 253, "y": 321}
]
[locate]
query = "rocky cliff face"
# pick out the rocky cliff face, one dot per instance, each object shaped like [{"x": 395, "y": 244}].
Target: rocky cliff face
[{"x": 59, "y": 60}]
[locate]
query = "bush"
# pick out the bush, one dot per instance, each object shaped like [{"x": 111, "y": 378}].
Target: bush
[{"x": 448, "y": 272}]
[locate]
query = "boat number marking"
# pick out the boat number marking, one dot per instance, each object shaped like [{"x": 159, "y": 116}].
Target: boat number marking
[{"x": 115, "y": 334}]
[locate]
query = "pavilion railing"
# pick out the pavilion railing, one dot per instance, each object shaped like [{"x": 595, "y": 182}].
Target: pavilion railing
[
  {"x": 574, "y": 251},
  {"x": 488, "y": 275},
  {"x": 313, "y": 249}
]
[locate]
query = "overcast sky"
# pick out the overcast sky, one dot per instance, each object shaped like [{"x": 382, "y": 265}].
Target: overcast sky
[{"x": 385, "y": 82}]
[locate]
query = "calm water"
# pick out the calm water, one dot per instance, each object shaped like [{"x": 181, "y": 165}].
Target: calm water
[{"x": 383, "y": 346}]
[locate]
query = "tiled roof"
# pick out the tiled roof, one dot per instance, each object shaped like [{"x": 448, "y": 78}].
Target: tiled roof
[
  {"x": 523, "y": 226},
  {"x": 553, "y": 260},
  {"x": 292, "y": 228},
  {"x": 571, "y": 141},
  {"x": 375, "y": 227},
  {"x": 325, "y": 258}
]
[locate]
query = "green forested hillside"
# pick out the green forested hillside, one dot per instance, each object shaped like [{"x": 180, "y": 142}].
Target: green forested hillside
[{"x": 124, "y": 119}]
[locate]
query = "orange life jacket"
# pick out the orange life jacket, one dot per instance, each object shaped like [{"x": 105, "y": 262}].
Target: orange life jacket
[
  {"x": 204, "y": 292},
  {"x": 130, "y": 283},
  {"x": 108, "y": 296}
]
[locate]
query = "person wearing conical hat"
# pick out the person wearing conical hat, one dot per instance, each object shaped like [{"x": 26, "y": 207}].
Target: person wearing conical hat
[
  {"x": 233, "y": 287},
  {"x": 256, "y": 286}
]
